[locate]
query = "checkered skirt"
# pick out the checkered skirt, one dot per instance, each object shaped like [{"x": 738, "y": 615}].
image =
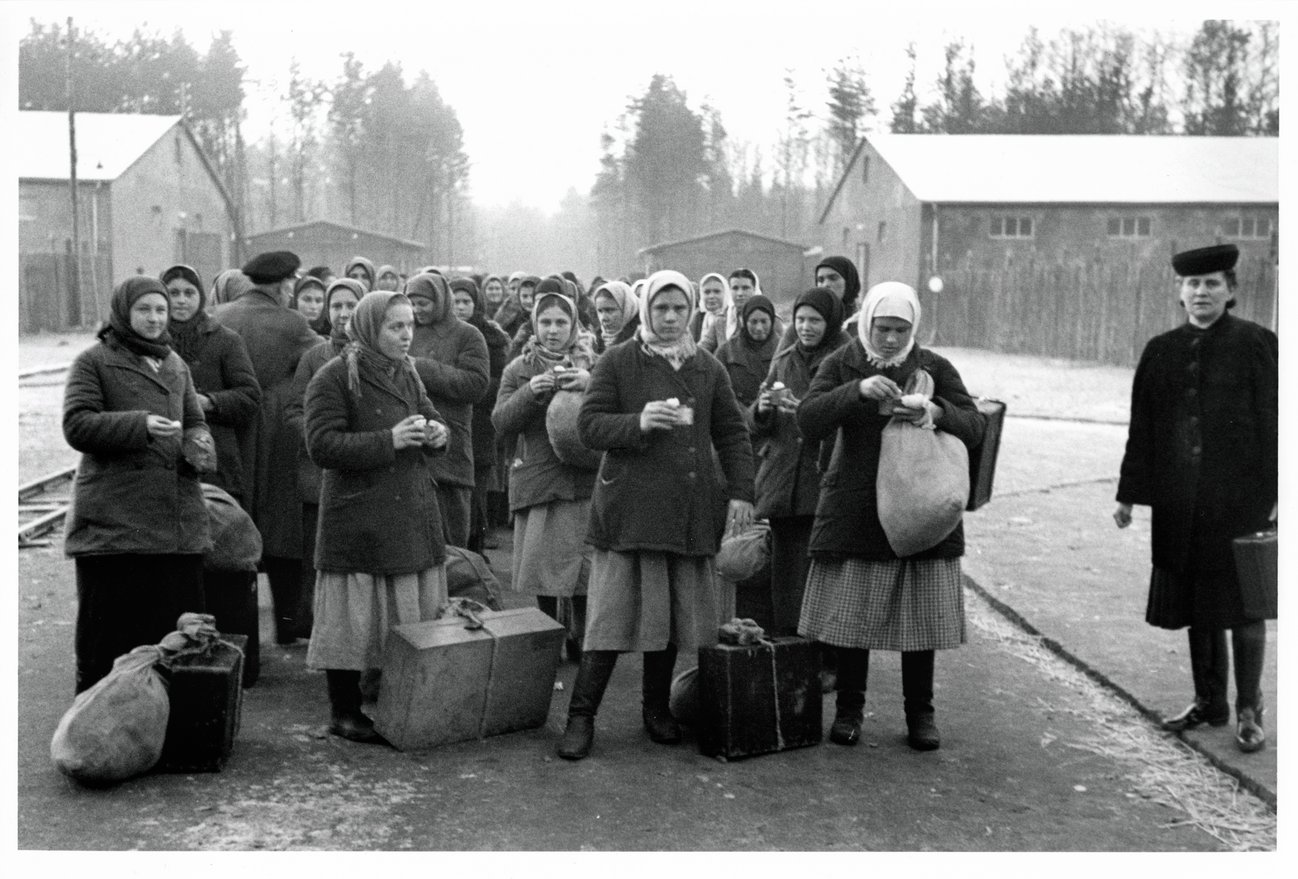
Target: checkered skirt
[{"x": 904, "y": 604}]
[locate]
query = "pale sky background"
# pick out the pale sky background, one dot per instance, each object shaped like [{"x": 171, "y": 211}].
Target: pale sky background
[{"x": 534, "y": 83}]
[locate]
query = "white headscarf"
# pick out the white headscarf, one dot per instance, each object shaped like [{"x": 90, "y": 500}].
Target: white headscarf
[
  {"x": 889, "y": 299},
  {"x": 676, "y": 353},
  {"x": 621, "y": 294}
]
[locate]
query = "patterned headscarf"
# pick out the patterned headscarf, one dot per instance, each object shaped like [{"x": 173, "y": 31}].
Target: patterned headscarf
[
  {"x": 888, "y": 299},
  {"x": 678, "y": 352}
]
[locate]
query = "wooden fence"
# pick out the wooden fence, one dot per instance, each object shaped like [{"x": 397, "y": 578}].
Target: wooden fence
[
  {"x": 48, "y": 298},
  {"x": 1103, "y": 312}
]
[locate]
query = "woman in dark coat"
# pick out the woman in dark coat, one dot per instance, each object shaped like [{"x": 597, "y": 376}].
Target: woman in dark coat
[
  {"x": 137, "y": 526},
  {"x": 618, "y": 312},
  {"x": 451, "y": 358},
  {"x": 838, "y": 275},
  {"x": 658, "y": 407},
  {"x": 788, "y": 478},
  {"x": 223, "y": 376},
  {"x": 379, "y": 550},
  {"x": 747, "y": 357},
  {"x": 860, "y": 595},
  {"x": 1202, "y": 452}
]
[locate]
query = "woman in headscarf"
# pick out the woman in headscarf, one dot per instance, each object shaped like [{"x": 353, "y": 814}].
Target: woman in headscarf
[
  {"x": 714, "y": 297},
  {"x": 788, "y": 478},
  {"x": 371, "y": 429},
  {"x": 860, "y": 595},
  {"x": 743, "y": 285},
  {"x": 747, "y": 357},
  {"x": 361, "y": 269},
  {"x": 388, "y": 278},
  {"x": 493, "y": 294},
  {"x": 658, "y": 409},
  {"x": 227, "y": 287},
  {"x": 618, "y": 313},
  {"x": 837, "y": 274},
  {"x": 550, "y": 500},
  {"x": 308, "y": 301},
  {"x": 451, "y": 358},
  {"x": 137, "y": 526},
  {"x": 339, "y": 303},
  {"x": 469, "y": 307}
]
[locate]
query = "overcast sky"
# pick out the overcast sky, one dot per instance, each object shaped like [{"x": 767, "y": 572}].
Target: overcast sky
[{"x": 535, "y": 83}]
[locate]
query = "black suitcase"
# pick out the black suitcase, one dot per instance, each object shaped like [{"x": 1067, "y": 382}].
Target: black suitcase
[
  {"x": 759, "y": 698},
  {"x": 231, "y": 597},
  {"x": 1257, "y": 564},
  {"x": 982, "y": 457},
  {"x": 206, "y": 701}
]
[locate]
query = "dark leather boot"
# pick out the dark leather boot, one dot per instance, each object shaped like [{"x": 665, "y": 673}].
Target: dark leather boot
[
  {"x": 285, "y": 576},
  {"x": 347, "y": 720},
  {"x": 917, "y": 693},
  {"x": 1248, "y": 643},
  {"x": 656, "y": 696},
  {"x": 853, "y": 670},
  {"x": 587, "y": 692},
  {"x": 1209, "y": 665}
]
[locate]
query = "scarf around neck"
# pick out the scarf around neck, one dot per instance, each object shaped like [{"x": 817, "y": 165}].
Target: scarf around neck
[
  {"x": 118, "y": 330},
  {"x": 676, "y": 353}
]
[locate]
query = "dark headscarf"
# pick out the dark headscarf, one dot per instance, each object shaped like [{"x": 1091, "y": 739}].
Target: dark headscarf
[
  {"x": 828, "y": 306},
  {"x": 434, "y": 287},
  {"x": 478, "y": 318},
  {"x": 757, "y": 303},
  {"x": 338, "y": 335},
  {"x": 118, "y": 330},
  {"x": 363, "y": 330},
  {"x": 851, "y": 280},
  {"x": 321, "y": 323},
  {"x": 185, "y": 334},
  {"x": 365, "y": 264}
]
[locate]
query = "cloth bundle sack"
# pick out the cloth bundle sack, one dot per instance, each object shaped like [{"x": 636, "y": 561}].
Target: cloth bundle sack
[
  {"x": 469, "y": 577},
  {"x": 744, "y": 555},
  {"x": 923, "y": 480},
  {"x": 236, "y": 542},
  {"x": 561, "y": 425},
  {"x": 115, "y": 729}
]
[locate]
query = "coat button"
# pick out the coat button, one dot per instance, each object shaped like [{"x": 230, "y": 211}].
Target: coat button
[
  {"x": 1196, "y": 451},
  {"x": 690, "y": 450},
  {"x": 690, "y": 475},
  {"x": 378, "y": 411}
]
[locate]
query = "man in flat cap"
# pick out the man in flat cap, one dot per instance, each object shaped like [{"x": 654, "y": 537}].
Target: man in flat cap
[
  {"x": 1202, "y": 453},
  {"x": 276, "y": 337}
]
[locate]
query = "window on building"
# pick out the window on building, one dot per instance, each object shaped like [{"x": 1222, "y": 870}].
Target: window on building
[
  {"x": 883, "y": 229},
  {"x": 1246, "y": 227},
  {"x": 865, "y": 169},
  {"x": 1130, "y": 227},
  {"x": 1011, "y": 227}
]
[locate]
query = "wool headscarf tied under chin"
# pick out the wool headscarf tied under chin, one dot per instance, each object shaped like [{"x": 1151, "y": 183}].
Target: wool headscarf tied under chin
[
  {"x": 229, "y": 286},
  {"x": 889, "y": 299},
  {"x": 185, "y": 334},
  {"x": 678, "y": 352},
  {"x": 338, "y": 334},
  {"x": 626, "y": 300},
  {"x": 757, "y": 303},
  {"x": 435, "y": 289},
  {"x": 118, "y": 330},
  {"x": 829, "y": 307},
  {"x": 364, "y": 263},
  {"x": 363, "y": 330},
  {"x": 578, "y": 349}
]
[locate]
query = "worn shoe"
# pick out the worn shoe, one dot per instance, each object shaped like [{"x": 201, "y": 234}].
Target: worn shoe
[
  {"x": 921, "y": 732},
  {"x": 355, "y": 727},
  {"x": 1197, "y": 714},
  {"x": 846, "y": 729},
  {"x": 1249, "y": 735},
  {"x": 661, "y": 726},
  {"x": 578, "y": 737}
]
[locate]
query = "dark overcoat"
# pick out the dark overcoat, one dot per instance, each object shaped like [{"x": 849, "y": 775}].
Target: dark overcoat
[
  {"x": 1202, "y": 452},
  {"x": 536, "y": 475},
  {"x": 378, "y": 505},
  {"x": 788, "y": 475},
  {"x": 451, "y": 357},
  {"x": 660, "y": 491},
  {"x": 847, "y": 514},
  {"x": 133, "y": 492},
  {"x": 308, "y": 474},
  {"x": 276, "y": 339},
  {"x": 747, "y": 366},
  {"x": 222, "y": 370},
  {"x": 484, "y": 432}
]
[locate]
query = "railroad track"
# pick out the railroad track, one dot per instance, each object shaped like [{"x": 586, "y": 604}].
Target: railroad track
[{"x": 42, "y": 504}]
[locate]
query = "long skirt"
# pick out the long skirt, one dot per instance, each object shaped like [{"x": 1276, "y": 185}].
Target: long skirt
[
  {"x": 354, "y": 611},
  {"x": 643, "y": 601},
  {"x": 903, "y": 604},
  {"x": 551, "y": 555}
]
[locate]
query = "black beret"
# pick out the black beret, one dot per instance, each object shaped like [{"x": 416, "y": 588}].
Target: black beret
[
  {"x": 273, "y": 267},
  {"x": 1205, "y": 260}
]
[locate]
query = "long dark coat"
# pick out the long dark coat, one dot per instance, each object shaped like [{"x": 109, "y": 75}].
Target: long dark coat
[
  {"x": 747, "y": 365},
  {"x": 378, "y": 506},
  {"x": 847, "y": 514},
  {"x": 660, "y": 491},
  {"x": 276, "y": 339},
  {"x": 133, "y": 492},
  {"x": 308, "y": 474},
  {"x": 788, "y": 477},
  {"x": 539, "y": 477},
  {"x": 1202, "y": 452},
  {"x": 451, "y": 357},
  {"x": 222, "y": 370},
  {"x": 484, "y": 432}
]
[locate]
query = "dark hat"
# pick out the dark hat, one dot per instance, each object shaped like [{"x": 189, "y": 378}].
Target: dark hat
[
  {"x": 273, "y": 267},
  {"x": 552, "y": 284},
  {"x": 1205, "y": 260}
]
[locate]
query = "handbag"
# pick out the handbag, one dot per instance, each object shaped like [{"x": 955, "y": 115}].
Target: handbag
[
  {"x": 561, "y": 426},
  {"x": 923, "y": 480},
  {"x": 1257, "y": 564}
]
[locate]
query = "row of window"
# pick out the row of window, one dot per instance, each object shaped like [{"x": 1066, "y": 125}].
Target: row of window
[{"x": 1005, "y": 226}]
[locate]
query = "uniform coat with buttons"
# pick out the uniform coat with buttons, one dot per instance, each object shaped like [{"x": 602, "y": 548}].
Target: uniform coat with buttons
[
  {"x": 660, "y": 491},
  {"x": 1202, "y": 453},
  {"x": 134, "y": 493},
  {"x": 378, "y": 505}
]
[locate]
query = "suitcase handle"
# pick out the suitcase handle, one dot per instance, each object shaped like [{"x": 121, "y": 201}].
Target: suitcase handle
[{"x": 466, "y": 608}]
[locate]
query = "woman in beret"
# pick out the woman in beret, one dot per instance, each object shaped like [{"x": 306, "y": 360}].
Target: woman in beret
[
  {"x": 1202, "y": 452},
  {"x": 379, "y": 550},
  {"x": 137, "y": 526}
]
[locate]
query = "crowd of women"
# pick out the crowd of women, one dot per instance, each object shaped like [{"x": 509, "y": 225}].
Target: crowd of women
[{"x": 367, "y": 421}]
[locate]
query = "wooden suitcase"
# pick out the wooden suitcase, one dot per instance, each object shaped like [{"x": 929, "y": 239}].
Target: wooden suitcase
[
  {"x": 1257, "y": 564},
  {"x": 206, "y": 700},
  {"x": 982, "y": 457},
  {"x": 444, "y": 682},
  {"x": 758, "y": 698}
]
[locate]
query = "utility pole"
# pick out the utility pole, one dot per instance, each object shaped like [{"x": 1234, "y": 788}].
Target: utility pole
[{"x": 75, "y": 279}]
